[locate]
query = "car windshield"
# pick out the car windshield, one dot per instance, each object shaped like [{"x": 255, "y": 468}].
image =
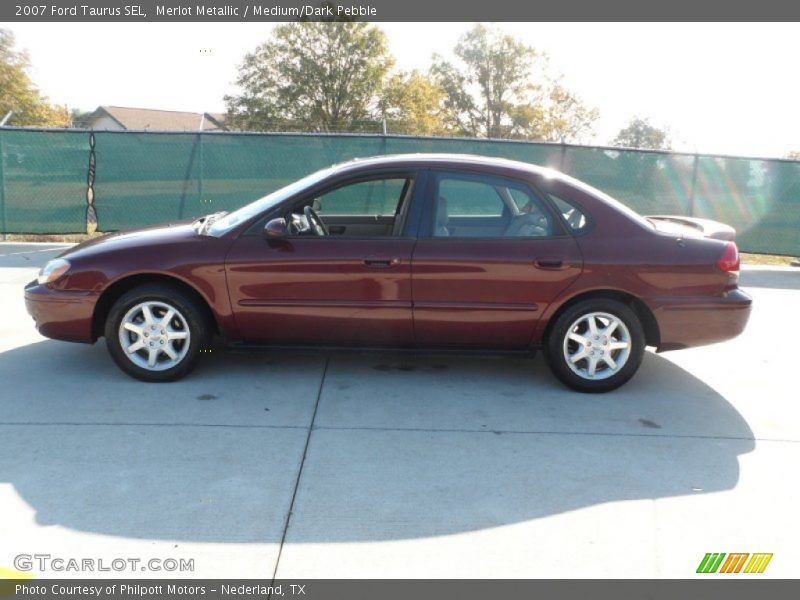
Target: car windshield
[{"x": 227, "y": 222}]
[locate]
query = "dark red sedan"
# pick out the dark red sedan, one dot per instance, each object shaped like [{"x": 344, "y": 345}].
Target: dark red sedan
[{"x": 413, "y": 251}]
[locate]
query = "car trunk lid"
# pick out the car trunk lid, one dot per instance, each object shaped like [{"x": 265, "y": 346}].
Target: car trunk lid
[{"x": 692, "y": 227}]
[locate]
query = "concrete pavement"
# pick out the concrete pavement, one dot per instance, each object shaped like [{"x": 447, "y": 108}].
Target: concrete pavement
[{"x": 382, "y": 465}]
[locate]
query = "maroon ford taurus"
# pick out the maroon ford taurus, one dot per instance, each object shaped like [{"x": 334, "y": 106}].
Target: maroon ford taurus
[{"x": 415, "y": 252}]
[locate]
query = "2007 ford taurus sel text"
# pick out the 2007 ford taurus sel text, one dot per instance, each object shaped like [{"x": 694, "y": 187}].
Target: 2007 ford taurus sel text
[{"x": 414, "y": 251}]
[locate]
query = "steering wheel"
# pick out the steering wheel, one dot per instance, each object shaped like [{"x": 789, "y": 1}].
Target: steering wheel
[
  {"x": 314, "y": 221},
  {"x": 291, "y": 226}
]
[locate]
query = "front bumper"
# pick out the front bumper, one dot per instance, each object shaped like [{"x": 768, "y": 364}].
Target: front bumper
[
  {"x": 697, "y": 321},
  {"x": 59, "y": 314}
]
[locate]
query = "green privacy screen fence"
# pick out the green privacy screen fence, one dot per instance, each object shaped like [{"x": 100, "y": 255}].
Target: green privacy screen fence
[{"x": 60, "y": 181}]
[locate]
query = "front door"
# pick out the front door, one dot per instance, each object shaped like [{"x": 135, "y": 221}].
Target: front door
[
  {"x": 352, "y": 286},
  {"x": 495, "y": 256}
]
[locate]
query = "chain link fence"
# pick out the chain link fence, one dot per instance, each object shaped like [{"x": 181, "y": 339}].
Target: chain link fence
[{"x": 73, "y": 181}]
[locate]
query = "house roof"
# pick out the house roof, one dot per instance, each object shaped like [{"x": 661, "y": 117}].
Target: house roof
[{"x": 160, "y": 120}]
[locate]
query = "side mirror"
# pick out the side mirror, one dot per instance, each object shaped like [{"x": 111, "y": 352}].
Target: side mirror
[{"x": 275, "y": 229}]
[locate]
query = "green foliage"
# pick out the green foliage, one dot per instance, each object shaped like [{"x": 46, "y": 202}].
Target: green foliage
[
  {"x": 490, "y": 78},
  {"x": 323, "y": 75},
  {"x": 639, "y": 133},
  {"x": 336, "y": 75},
  {"x": 19, "y": 94},
  {"x": 411, "y": 103},
  {"x": 500, "y": 88},
  {"x": 557, "y": 115}
]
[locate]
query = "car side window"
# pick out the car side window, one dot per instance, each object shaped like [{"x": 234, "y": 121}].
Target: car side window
[
  {"x": 480, "y": 206},
  {"x": 575, "y": 217},
  {"x": 365, "y": 208},
  {"x": 519, "y": 197},
  {"x": 471, "y": 198},
  {"x": 378, "y": 198}
]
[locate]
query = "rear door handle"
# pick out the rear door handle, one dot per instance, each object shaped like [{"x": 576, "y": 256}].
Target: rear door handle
[
  {"x": 374, "y": 262},
  {"x": 550, "y": 264}
]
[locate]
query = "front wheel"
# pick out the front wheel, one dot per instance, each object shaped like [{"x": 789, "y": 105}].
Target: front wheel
[
  {"x": 595, "y": 345},
  {"x": 155, "y": 333}
]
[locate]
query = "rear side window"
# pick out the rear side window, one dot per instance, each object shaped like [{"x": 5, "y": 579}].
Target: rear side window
[
  {"x": 488, "y": 206},
  {"x": 574, "y": 216},
  {"x": 471, "y": 198}
]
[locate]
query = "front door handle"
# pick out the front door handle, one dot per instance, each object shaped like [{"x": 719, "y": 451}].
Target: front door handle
[
  {"x": 374, "y": 262},
  {"x": 550, "y": 264}
]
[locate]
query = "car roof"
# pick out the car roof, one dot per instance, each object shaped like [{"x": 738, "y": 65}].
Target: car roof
[{"x": 484, "y": 163}]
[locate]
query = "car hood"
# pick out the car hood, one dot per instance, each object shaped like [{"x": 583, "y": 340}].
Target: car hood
[{"x": 146, "y": 236}]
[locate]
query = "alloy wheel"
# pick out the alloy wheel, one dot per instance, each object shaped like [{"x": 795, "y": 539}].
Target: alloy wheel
[
  {"x": 154, "y": 335},
  {"x": 597, "y": 346}
]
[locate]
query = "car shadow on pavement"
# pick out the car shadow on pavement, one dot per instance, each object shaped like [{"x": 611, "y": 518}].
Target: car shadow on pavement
[{"x": 402, "y": 447}]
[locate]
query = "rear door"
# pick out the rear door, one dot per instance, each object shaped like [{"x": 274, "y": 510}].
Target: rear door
[{"x": 490, "y": 258}]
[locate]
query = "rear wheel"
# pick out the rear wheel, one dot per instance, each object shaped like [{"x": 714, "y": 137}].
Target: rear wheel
[
  {"x": 596, "y": 345},
  {"x": 155, "y": 333}
]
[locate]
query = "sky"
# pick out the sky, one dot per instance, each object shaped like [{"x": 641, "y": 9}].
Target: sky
[{"x": 718, "y": 88}]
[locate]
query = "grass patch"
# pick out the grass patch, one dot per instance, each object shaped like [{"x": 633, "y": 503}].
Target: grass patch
[
  {"x": 58, "y": 238},
  {"x": 767, "y": 259}
]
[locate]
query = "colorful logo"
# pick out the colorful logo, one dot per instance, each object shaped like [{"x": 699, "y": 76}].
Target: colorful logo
[{"x": 713, "y": 562}]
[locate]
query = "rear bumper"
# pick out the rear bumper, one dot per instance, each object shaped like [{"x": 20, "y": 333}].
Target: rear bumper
[
  {"x": 61, "y": 315},
  {"x": 697, "y": 321}
]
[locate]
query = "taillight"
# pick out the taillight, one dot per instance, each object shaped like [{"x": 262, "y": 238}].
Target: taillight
[{"x": 729, "y": 261}]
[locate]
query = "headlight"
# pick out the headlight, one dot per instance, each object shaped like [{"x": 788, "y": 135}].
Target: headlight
[{"x": 53, "y": 271}]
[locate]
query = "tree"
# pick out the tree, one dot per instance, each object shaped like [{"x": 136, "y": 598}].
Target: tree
[
  {"x": 639, "y": 133},
  {"x": 558, "y": 115},
  {"x": 492, "y": 76},
  {"x": 411, "y": 103},
  {"x": 19, "y": 94},
  {"x": 323, "y": 76},
  {"x": 78, "y": 118},
  {"x": 499, "y": 87}
]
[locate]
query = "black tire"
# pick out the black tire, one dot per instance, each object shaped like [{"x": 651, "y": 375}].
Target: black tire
[
  {"x": 193, "y": 319},
  {"x": 555, "y": 352}
]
